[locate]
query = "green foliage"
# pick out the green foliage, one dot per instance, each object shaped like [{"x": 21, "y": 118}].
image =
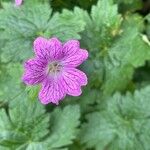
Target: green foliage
[
  {"x": 129, "y": 5},
  {"x": 10, "y": 81},
  {"x": 27, "y": 126},
  {"x": 128, "y": 52},
  {"x": 117, "y": 46},
  {"x": 22, "y": 25},
  {"x": 64, "y": 125},
  {"x": 65, "y": 26},
  {"x": 101, "y": 26},
  {"x": 122, "y": 125},
  {"x": 113, "y": 111},
  {"x": 148, "y": 25},
  {"x": 69, "y": 4}
]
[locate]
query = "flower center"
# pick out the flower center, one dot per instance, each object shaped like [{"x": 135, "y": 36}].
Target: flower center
[{"x": 54, "y": 67}]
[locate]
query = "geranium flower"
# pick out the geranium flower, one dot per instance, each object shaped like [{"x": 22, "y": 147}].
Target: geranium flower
[
  {"x": 18, "y": 2},
  {"x": 54, "y": 66}
]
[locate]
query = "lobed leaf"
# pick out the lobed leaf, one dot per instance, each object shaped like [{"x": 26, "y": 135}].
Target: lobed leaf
[
  {"x": 22, "y": 25},
  {"x": 123, "y": 124}
]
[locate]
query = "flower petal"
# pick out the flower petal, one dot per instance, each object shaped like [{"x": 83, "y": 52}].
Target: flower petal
[
  {"x": 71, "y": 47},
  {"x": 34, "y": 71},
  {"x": 48, "y": 49},
  {"x": 76, "y": 59},
  {"x": 74, "y": 79},
  {"x": 52, "y": 91},
  {"x": 18, "y": 2},
  {"x": 77, "y": 75}
]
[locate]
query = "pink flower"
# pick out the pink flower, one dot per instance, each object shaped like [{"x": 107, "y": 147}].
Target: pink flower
[
  {"x": 18, "y": 2},
  {"x": 54, "y": 66}
]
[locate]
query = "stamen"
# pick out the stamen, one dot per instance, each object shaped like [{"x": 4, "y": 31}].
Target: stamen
[{"x": 53, "y": 68}]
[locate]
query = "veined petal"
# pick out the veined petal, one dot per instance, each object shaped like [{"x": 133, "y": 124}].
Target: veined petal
[
  {"x": 71, "y": 47},
  {"x": 77, "y": 75},
  {"x": 52, "y": 91},
  {"x": 76, "y": 59},
  {"x": 34, "y": 71},
  {"x": 74, "y": 79},
  {"x": 48, "y": 49}
]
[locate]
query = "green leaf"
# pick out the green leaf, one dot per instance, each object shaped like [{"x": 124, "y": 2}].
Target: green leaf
[
  {"x": 86, "y": 101},
  {"x": 66, "y": 25},
  {"x": 101, "y": 26},
  {"x": 26, "y": 125},
  {"x": 22, "y": 25},
  {"x": 64, "y": 126},
  {"x": 33, "y": 92},
  {"x": 129, "y": 51},
  {"x": 117, "y": 48},
  {"x": 10, "y": 78},
  {"x": 4, "y": 148},
  {"x": 122, "y": 125}
]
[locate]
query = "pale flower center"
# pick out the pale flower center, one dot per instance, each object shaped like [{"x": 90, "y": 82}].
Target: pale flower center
[{"x": 54, "y": 67}]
